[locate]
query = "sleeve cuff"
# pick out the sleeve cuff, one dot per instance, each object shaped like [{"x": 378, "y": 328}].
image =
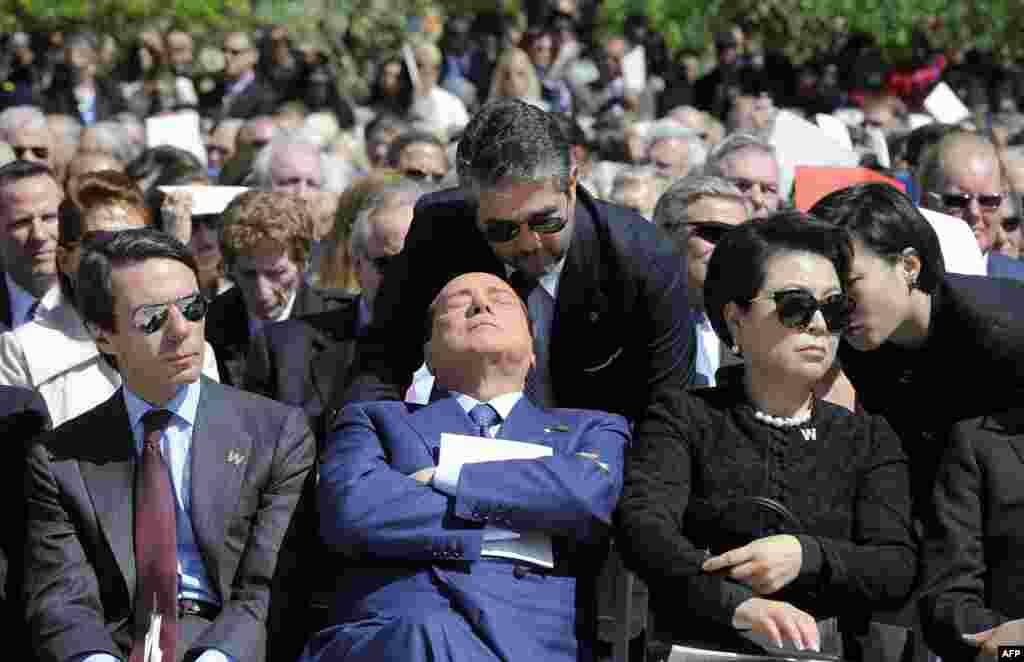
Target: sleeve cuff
[{"x": 812, "y": 563}]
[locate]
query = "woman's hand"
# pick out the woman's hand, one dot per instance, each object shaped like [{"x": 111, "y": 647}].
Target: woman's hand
[
  {"x": 989, "y": 641},
  {"x": 778, "y": 620},
  {"x": 765, "y": 565}
]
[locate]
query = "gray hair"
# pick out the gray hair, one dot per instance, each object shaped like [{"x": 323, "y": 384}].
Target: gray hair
[
  {"x": 403, "y": 192},
  {"x": 674, "y": 205},
  {"x": 931, "y": 174},
  {"x": 115, "y": 140},
  {"x": 696, "y": 150},
  {"x": 735, "y": 143},
  {"x": 21, "y": 118},
  {"x": 83, "y": 40},
  {"x": 283, "y": 139},
  {"x": 512, "y": 139}
]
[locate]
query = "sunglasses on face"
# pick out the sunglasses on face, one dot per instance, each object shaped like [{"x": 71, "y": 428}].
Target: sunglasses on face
[
  {"x": 499, "y": 232},
  {"x": 150, "y": 319},
  {"x": 38, "y": 152},
  {"x": 796, "y": 309},
  {"x": 422, "y": 175},
  {"x": 710, "y": 231},
  {"x": 961, "y": 201},
  {"x": 1011, "y": 224}
]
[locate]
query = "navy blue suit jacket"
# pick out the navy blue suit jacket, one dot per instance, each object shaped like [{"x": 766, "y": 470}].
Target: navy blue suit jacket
[
  {"x": 621, "y": 335},
  {"x": 1005, "y": 267},
  {"x": 421, "y": 590}
]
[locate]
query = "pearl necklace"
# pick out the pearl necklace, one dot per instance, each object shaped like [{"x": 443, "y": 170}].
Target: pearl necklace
[{"x": 782, "y": 421}]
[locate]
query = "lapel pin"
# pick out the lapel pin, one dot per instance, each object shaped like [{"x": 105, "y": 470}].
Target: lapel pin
[
  {"x": 560, "y": 427},
  {"x": 235, "y": 458},
  {"x": 594, "y": 315}
]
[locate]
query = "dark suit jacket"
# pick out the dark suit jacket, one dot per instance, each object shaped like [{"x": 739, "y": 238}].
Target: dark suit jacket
[
  {"x": 621, "y": 331},
  {"x": 255, "y": 100},
  {"x": 973, "y": 554},
  {"x": 80, "y": 575},
  {"x": 299, "y": 361},
  {"x": 227, "y": 326},
  {"x": 6, "y": 312},
  {"x": 23, "y": 416},
  {"x": 971, "y": 365},
  {"x": 61, "y": 100},
  {"x": 1001, "y": 266}
]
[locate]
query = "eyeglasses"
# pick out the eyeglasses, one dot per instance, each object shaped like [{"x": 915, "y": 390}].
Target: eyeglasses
[
  {"x": 501, "y": 231},
  {"x": 1012, "y": 223},
  {"x": 957, "y": 202},
  {"x": 710, "y": 231},
  {"x": 38, "y": 152},
  {"x": 422, "y": 175},
  {"x": 796, "y": 309},
  {"x": 150, "y": 319},
  {"x": 235, "y": 52},
  {"x": 747, "y": 185}
]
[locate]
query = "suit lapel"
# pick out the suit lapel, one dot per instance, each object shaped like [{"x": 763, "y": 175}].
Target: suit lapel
[
  {"x": 442, "y": 416},
  {"x": 219, "y": 453},
  {"x": 529, "y": 423},
  {"x": 6, "y": 312},
  {"x": 110, "y": 481}
]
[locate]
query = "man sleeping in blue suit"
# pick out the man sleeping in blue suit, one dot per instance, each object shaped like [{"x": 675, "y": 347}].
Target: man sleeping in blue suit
[{"x": 423, "y": 581}]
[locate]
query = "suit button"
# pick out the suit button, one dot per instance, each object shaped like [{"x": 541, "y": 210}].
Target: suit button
[{"x": 519, "y": 572}]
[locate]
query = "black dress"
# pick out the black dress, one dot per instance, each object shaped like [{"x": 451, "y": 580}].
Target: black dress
[{"x": 843, "y": 476}]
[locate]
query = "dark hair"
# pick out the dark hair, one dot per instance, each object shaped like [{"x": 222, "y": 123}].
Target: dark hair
[
  {"x": 96, "y": 189},
  {"x": 887, "y": 223},
  {"x": 737, "y": 269},
  {"x": 411, "y": 138},
  {"x": 18, "y": 170},
  {"x": 106, "y": 251},
  {"x": 512, "y": 138},
  {"x": 166, "y": 166},
  {"x": 379, "y": 99},
  {"x": 571, "y": 129}
]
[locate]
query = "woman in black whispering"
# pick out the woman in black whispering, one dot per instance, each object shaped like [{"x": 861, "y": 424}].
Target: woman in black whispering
[{"x": 755, "y": 511}]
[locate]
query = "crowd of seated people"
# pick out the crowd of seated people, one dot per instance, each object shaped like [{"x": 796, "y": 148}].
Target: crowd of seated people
[{"x": 420, "y": 375}]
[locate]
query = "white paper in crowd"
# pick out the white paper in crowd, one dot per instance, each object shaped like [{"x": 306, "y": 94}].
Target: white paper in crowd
[
  {"x": 458, "y": 450},
  {"x": 879, "y": 145},
  {"x": 634, "y": 70},
  {"x": 849, "y": 116},
  {"x": 186, "y": 91},
  {"x": 208, "y": 199},
  {"x": 834, "y": 129},
  {"x": 410, "y": 63},
  {"x": 917, "y": 120},
  {"x": 799, "y": 142},
  {"x": 180, "y": 129},
  {"x": 960, "y": 249},
  {"x": 945, "y": 105}
]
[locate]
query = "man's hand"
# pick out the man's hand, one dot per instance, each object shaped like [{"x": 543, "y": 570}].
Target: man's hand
[
  {"x": 424, "y": 476},
  {"x": 989, "y": 641},
  {"x": 765, "y": 565},
  {"x": 176, "y": 213},
  {"x": 779, "y": 620}
]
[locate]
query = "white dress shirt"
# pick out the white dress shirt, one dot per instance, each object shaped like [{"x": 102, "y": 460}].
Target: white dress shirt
[
  {"x": 446, "y": 477},
  {"x": 709, "y": 348}
]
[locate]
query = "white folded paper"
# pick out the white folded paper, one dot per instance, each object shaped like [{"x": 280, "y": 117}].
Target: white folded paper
[
  {"x": 798, "y": 142},
  {"x": 634, "y": 70},
  {"x": 208, "y": 199},
  {"x": 458, "y": 450},
  {"x": 180, "y": 129},
  {"x": 960, "y": 249},
  {"x": 945, "y": 105},
  {"x": 835, "y": 129}
]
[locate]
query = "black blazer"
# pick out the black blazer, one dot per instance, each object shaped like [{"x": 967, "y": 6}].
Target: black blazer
[
  {"x": 621, "y": 331},
  {"x": 973, "y": 553},
  {"x": 250, "y": 459},
  {"x": 971, "y": 365},
  {"x": 23, "y": 417},
  {"x": 61, "y": 101},
  {"x": 255, "y": 100},
  {"x": 227, "y": 326},
  {"x": 299, "y": 361},
  {"x": 6, "y": 312}
]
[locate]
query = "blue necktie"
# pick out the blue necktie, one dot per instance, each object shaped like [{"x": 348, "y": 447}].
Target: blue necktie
[
  {"x": 485, "y": 417},
  {"x": 542, "y": 314}
]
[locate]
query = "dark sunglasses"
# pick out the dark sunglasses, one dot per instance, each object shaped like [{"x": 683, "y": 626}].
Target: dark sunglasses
[
  {"x": 499, "y": 232},
  {"x": 959, "y": 201},
  {"x": 38, "y": 152},
  {"x": 381, "y": 263},
  {"x": 1011, "y": 224},
  {"x": 710, "y": 231},
  {"x": 422, "y": 176},
  {"x": 796, "y": 309},
  {"x": 150, "y": 319}
]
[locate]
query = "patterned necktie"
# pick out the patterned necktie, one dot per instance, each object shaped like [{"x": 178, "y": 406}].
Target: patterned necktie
[
  {"x": 542, "y": 313},
  {"x": 156, "y": 553},
  {"x": 485, "y": 416}
]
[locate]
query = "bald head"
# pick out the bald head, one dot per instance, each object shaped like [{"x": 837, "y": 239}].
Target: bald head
[{"x": 480, "y": 342}]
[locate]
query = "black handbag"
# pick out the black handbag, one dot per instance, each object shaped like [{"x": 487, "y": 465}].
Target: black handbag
[{"x": 717, "y": 526}]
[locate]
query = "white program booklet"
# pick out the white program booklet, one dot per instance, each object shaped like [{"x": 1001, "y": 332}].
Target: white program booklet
[{"x": 529, "y": 546}]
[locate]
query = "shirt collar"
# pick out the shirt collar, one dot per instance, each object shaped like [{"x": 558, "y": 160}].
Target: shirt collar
[
  {"x": 549, "y": 281},
  {"x": 255, "y": 325},
  {"x": 184, "y": 405},
  {"x": 21, "y": 301},
  {"x": 502, "y": 404}
]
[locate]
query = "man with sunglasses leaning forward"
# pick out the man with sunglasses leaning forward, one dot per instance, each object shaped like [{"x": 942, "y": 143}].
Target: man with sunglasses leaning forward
[
  {"x": 171, "y": 497},
  {"x": 606, "y": 292},
  {"x": 962, "y": 177}
]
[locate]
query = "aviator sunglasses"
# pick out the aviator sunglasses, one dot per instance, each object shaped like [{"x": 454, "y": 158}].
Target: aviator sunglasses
[
  {"x": 499, "y": 232},
  {"x": 150, "y": 319},
  {"x": 796, "y": 309}
]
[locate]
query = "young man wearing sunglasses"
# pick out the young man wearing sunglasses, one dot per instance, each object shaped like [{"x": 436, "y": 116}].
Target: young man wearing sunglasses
[
  {"x": 179, "y": 502},
  {"x": 696, "y": 212},
  {"x": 606, "y": 293},
  {"x": 963, "y": 177}
]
